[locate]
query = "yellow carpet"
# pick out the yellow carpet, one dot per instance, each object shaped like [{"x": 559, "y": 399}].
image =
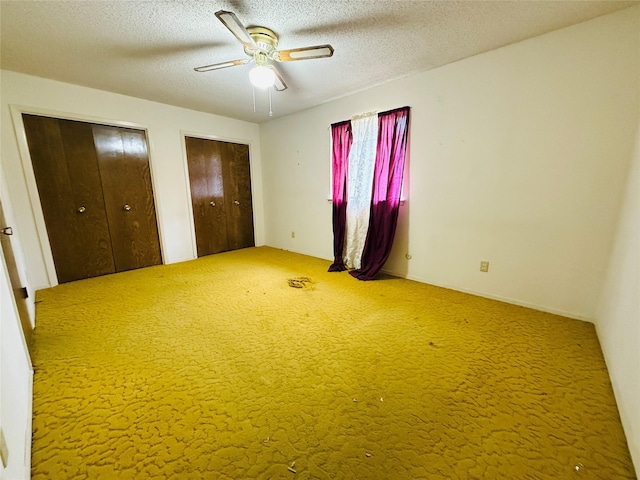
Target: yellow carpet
[{"x": 217, "y": 368}]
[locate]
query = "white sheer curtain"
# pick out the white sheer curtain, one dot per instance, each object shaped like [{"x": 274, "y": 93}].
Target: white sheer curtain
[{"x": 362, "y": 159}]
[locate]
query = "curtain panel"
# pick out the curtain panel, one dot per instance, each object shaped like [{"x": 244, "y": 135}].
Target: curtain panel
[
  {"x": 359, "y": 180},
  {"x": 385, "y": 187},
  {"x": 341, "y": 145}
]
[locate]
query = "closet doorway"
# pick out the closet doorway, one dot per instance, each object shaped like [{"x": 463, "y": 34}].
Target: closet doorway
[
  {"x": 96, "y": 194},
  {"x": 220, "y": 179}
]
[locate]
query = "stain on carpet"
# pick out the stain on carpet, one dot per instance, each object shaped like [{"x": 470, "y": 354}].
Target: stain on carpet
[{"x": 299, "y": 282}]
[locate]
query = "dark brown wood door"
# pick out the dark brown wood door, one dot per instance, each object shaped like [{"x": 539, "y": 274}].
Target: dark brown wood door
[
  {"x": 123, "y": 162},
  {"x": 237, "y": 188},
  {"x": 68, "y": 180},
  {"x": 220, "y": 178},
  {"x": 95, "y": 189},
  {"x": 207, "y": 195}
]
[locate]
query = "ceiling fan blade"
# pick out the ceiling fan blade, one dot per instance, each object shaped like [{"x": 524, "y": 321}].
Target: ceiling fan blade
[
  {"x": 279, "y": 82},
  {"x": 236, "y": 27},
  {"x": 305, "y": 53},
  {"x": 217, "y": 66}
]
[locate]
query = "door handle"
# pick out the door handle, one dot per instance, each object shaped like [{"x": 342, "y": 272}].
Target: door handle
[
  {"x": 82, "y": 209},
  {"x": 7, "y": 231},
  {"x": 213, "y": 204},
  {"x": 236, "y": 202},
  {"x": 126, "y": 207}
]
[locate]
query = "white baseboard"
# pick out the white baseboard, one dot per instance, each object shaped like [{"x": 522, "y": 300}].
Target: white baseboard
[{"x": 533, "y": 306}]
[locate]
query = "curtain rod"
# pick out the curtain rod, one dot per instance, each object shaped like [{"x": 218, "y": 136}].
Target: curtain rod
[
  {"x": 395, "y": 110},
  {"x": 362, "y": 115}
]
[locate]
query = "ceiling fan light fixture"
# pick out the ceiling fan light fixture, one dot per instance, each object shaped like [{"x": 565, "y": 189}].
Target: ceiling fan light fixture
[{"x": 262, "y": 77}]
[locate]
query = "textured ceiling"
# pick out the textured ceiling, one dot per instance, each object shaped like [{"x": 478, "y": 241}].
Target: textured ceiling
[{"x": 148, "y": 49}]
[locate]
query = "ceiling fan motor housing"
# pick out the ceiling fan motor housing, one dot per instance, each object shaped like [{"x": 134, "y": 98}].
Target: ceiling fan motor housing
[{"x": 266, "y": 40}]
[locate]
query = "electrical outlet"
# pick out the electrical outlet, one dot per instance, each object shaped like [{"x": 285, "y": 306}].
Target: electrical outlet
[
  {"x": 293, "y": 234},
  {"x": 484, "y": 266}
]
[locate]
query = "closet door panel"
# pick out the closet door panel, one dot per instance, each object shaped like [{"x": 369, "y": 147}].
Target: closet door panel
[
  {"x": 207, "y": 195},
  {"x": 128, "y": 194},
  {"x": 237, "y": 184},
  {"x": 217, "y": 218},
  {"x": 92, "y": 225},
  {"x": 66, "y": 171}
]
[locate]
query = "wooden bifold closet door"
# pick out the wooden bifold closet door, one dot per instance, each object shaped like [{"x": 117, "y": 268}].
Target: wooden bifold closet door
[
  {"x": 220, "y": 178},
  {"x": 95, "y": 190}
]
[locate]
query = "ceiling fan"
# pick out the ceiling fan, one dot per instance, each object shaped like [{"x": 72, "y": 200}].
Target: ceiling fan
[{"x": 260, "y": 45}]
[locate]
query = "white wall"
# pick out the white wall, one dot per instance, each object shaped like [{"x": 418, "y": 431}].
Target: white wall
[
  {"x": 618, "y": 319},
  {"x": 165, "y": 127},
  {"x": 517, "y": 156}
]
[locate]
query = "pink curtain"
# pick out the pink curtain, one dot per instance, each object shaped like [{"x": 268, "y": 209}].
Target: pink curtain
[
  {"x": 393, "y": 129},
  {"x": 342, "y": 139}
]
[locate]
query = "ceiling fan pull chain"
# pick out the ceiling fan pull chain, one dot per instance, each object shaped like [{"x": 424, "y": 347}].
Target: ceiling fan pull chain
[
  {"x": 253, "y": 89},
  {"x": 270, "y": 112}
]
